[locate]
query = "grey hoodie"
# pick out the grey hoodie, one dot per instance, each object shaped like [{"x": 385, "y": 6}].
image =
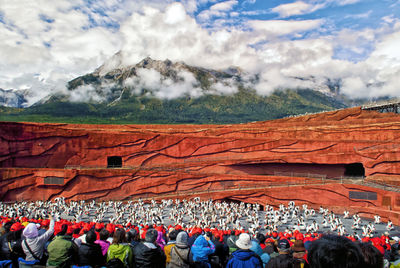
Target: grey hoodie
[{"x": 36, "y": 244}]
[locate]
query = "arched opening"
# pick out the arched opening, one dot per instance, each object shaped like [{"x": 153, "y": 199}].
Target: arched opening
[
  {"x": 354, "y": 170},
  {"x": 114, "y": 162}
]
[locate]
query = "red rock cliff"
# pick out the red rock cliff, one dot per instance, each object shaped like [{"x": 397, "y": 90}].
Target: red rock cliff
[{"x": 312, "y": 154}]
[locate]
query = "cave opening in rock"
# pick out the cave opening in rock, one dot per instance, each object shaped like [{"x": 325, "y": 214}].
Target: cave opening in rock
[
  {"x": 114, "y": 162},
  {"x": 299, "y": 170},
  {"x": 354, "y": 170}
]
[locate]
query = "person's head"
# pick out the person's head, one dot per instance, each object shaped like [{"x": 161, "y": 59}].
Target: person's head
[
  {"x": 172, "y": 235},
  {"x": 244, "y": 241},
  {"x": 332, "y": 251},
  {"x": 7, "y": 226},
  {"x": 115, "y": 263},
  {"x": 14, "y": 235},
  {"x": 261, "y": 238},
  {"x": 76, "y": 231},
  {"x": 151, "y": 236},
  {"x": 283, "y": 246},
  {"x": 64, "y": 229},
  {"x": 104, "y": 234},
  {"x": 119, "y": 236},
  {"x": 298, "y": 246},
  {"x": 90, "y": 237},
  {"x": 30, "y": 231},
  {"x": 372, "y": 257},
  {"x": 208, "y": 234},
  {"x": 132, "y": 235},
  {"x": 182, "y": 239}
]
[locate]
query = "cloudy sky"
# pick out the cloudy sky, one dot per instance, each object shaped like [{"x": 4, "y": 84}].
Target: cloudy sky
[{"x": 45, "y": 43}]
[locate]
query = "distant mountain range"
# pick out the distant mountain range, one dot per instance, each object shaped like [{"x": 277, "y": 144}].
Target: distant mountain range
[{"x": 154, "y": 91}]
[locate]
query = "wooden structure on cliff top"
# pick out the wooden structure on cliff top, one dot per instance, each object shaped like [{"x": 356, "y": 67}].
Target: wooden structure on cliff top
[{"x": 347, "y": 158}]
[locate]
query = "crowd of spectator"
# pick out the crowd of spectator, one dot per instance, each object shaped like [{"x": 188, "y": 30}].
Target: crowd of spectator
[{"x": 27, "y": 242}]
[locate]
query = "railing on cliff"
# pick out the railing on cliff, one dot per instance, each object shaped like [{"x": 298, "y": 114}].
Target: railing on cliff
[
  {"x": 185, "y": 193},
  {"x": 384, "y": 107},
  {"x": 309, "y": 178},
  {"x": 314, "y": 113}
]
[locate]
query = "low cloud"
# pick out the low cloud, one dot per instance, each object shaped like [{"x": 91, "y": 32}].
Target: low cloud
[
  {"x": 89, "y": 93},
  {"x": 162, "y": 87},
  {"x": 184, "y": 84}
]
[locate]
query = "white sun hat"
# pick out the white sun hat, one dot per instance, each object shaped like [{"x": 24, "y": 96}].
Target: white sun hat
[{"x": 244, "y": 241}]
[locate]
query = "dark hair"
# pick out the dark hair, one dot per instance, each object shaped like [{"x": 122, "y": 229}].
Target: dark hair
[
  {"x": 173, "y": 234},
  {"x": 132, "y": 235},
  {"x": 104, "y": 234},
  {"x": 64, "y": 229},
  {"x": 209, "y": 234},
  {"x": 373, "y": 258},
  {"x": 261, "y": 238},
  {"x": 90, "y": 237},
  {"x": 115, "y": 263},
  {"x": 151, "y": 235},
  {"x": 332, "y": 251},
  {"x": 7, "y": 226},
  {"x": 14, "y": 235},
  {"x": 119, "y": 236}
]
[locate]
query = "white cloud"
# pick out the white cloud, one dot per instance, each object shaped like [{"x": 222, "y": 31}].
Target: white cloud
[
  {"x": 217, "y": 10},
  {"x": 175, "y": 13},
  {"x": 283, "y": 27},
  {"x": 190, "y": 5},
  {"x": 224, "y": 6},
  {"x": 279, "y": 60},
  {"x": 346, "y": 2},
  {"x": 388, "y": 48},
  {"x": 56, "y": 48},
  {"x": 164, "y": 87},
  {"x": 296, "y": 8},
  {"x": 88, "y": 93},
  {"x": 227, "y": 87},
  {"x": 78, "y": 43},
  {"x": 307, "y": 7},
  {"x": 148, "y": 35},
  {"x": 360, "y": 15}
]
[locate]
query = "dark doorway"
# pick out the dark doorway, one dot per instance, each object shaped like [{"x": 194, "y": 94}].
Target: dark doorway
[
  {"x": 354, "y": 170},
  {"x": 114, "y": 161}
]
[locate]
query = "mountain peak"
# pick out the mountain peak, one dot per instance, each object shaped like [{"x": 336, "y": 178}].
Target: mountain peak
[{"x": 161, "y": 66}]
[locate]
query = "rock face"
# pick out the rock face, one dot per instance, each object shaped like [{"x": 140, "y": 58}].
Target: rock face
[{"x": 317, "y": 159}]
